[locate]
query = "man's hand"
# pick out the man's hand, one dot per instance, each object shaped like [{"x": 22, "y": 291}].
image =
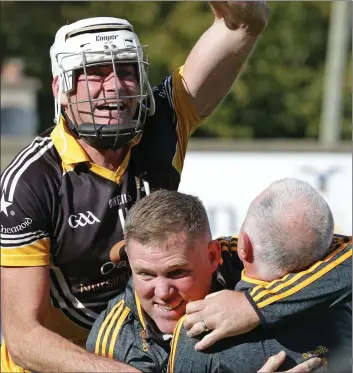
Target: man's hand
[
  {"x": 226, "y": 313},
  {"x": 251, "y": 15},
  {"x": 276, "y": 360}
]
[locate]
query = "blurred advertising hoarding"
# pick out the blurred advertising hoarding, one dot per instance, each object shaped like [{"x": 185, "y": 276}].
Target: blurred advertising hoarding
[{"x": 227, "y": 182}]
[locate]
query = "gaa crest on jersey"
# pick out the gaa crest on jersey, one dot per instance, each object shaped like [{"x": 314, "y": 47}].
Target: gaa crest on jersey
[{"x": 82, "y": 219}]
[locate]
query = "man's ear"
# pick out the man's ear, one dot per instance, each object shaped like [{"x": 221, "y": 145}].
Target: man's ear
[
  {"x": 214, "y": 254},
  {"x": 245, "y": 248},
  {"x": 55, "y": 87}
]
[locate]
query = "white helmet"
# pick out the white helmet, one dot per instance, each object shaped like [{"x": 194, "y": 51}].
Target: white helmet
[{"x": 97, "y": 41}]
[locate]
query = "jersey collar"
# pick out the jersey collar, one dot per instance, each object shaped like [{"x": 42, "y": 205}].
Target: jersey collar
[
  {"x": 251, "y": 280},
  {"x": 72, "y": 153}
]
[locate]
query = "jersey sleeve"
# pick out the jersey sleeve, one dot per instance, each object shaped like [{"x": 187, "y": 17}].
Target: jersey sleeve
[
  {"x": 103, "y": 335},
  {"x": 324, "y": 284},
  {"x": 187, "y": 119},
  {"x": 184, "y": 359},
  {"x": 173, "y": 100},
  {"x": 25, "y": 220}
]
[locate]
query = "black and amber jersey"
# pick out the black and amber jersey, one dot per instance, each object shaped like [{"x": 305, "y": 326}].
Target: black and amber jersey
[
  {"x": 305, "y": 314},
  {"x": 122, "y": 331},
  {"x": 323, "y": 284},
  {"x": 61, "y": 210}
]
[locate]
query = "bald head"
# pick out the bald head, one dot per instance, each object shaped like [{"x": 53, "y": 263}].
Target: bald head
[{"x": 290, "y": 227}]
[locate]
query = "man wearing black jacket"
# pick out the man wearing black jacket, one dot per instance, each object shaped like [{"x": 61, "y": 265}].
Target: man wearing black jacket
[{"x": 175, "y": 264}]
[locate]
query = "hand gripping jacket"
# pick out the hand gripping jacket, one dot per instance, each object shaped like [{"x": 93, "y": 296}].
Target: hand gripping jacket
[{"x": 101, "y": 41}]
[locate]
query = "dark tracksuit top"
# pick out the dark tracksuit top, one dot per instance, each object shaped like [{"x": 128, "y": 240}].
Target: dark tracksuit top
[
  {"x": 121, "y": 331},
  {"x": 325, "y": 334}
]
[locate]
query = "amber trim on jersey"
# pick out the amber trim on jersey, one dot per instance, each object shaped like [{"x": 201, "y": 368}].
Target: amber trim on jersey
[
  {"x": 34, "y": 254},
  {"x": 103, "y": 329},
  {"x": 31, "y": 248},
  {"x": 257, "y": 292},
  {"x": 229, "y": 244},
  {"x": 252, "y": 280},
  {"x": 140, "y": 312},
  {"x": 273, "y": 291},
  {"x": 174, "y": 343},
  {"x": 187, "y": 119},
  {"x": 116, "y": 331},
  {"x": 72, "y": 153},
  {"x": 6, "y": 363}
]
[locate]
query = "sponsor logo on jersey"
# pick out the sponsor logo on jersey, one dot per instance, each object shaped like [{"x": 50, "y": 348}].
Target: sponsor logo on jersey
[
  {"x": 118, "y": 258},
  {"x": 110, "y": 266},
  {"x": 82, "y": 219},
  {"x": 119, "y": 200},
  {"x": 26, "y": 223},
  {"x": 113, "y": 282}
]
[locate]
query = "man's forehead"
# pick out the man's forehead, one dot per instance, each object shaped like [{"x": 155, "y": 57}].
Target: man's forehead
[
  {"x": 165, "y": 264},
  {"x": 177, "y": 241}
]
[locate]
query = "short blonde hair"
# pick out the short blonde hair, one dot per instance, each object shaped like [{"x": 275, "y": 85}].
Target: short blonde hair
[{"x": 163, "y": 213}]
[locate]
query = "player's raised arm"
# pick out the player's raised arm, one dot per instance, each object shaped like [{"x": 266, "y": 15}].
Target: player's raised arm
[{"x": 217, "y": 58}]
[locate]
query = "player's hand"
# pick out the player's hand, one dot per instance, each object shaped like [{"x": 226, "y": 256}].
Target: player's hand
[
  {"x": 252, "y": 15},
  {"x": 225, "y": 314},
  {"x": 276, "y": 360}
]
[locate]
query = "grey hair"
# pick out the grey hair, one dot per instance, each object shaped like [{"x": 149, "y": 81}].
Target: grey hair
[
  {"x": 290, "y": 226},
  {"x": 155, "y": 218}
]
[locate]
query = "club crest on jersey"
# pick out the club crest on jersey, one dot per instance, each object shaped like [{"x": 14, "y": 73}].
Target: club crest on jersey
[{"x": 82, "y": 219}]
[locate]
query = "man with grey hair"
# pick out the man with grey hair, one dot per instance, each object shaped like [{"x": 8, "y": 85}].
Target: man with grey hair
[
  {"x": 174, "y": 264},
  {"x": 290, "y": 226}
]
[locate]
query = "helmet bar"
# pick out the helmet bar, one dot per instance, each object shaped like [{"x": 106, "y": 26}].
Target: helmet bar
[
  {"x": 95, "y": 42},
  {"x": 100, "y": 131}
]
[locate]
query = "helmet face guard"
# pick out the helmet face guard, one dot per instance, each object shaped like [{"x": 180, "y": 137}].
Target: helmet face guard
[{"x": 95, "y": 42}]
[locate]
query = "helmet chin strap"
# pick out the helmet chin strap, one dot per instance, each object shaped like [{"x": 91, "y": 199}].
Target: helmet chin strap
[
  {"x": 57, "y": 103},
  {"x": 102, "y": 136}
]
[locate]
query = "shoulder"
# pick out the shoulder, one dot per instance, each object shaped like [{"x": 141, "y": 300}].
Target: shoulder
[
  {"x": 103, "y": 326},
  {"x": 341, "y": 241},
  {"x": 163, "y": 92},
  {"x": 184, "y": 358},
  {"x": 31, "y": 166},
  {"x": 28, "y": 185}
]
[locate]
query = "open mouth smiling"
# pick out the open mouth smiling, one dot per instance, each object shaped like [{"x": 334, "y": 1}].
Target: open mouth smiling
[
  {"x": 171, "y": 307},
  {"x": 113, "y": 106}
]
